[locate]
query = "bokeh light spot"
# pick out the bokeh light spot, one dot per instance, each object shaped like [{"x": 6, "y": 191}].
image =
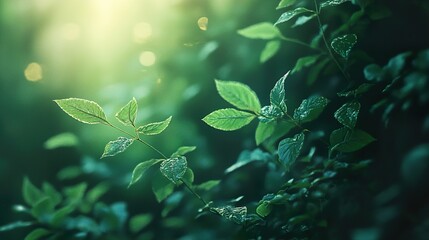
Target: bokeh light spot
[
  {"x": 203, "y": 23},
  {"x": 70, "y": 31},
  {"x": 33, "y": 72},
  {"x": 142, "y": 31},
  {"x": 147, "y": 58}
]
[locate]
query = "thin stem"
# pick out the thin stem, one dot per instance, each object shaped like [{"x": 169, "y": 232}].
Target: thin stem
[
  {"x": 194, "y": 193},
  {"x": 327, "y": 45},
  {"x": 296, "y": 41}
]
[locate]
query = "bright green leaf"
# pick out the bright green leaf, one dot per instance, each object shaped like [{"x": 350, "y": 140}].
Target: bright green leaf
[
  {"x": 127, "y": 115},
  {"x": 310, "y": 108},
  {"x": 43, "y": 208},
  {"x": 290, "y": 148},
  {"x": 288, "y": 15},
  {"x": 61, "y": 140},
  {"x": 304, "y": 62},
  {"x": 332, "y": 3},
  {"x": 141, "y": 168},
  {"x": 32, "y": 195},
  {"x": 183, "y": 150},
  {"x": 264, "y": 209},
  {"x": 235, "y": 214},
  {"x": 208, "y": 185},
  {"x": 154, "y": 128},
  {"x": 270, "y": 113},
  {"x": 278, "y": 94},
  {"x": 344, "y": 44},
  {"x": 228, "y": 119},
  {"x": 270, "y": 49},
  {"x": 285, "y": 3},
  {"x": 174, "y": 168},
  {"x": 75, "y": 193},
  {"x": 53, "y": 194},
  {"x": 96, "y": 192},
  {"x": 59, "y": 215},
  {"x": 349, "y": 140},
  {"x": 188, "y": 177},
  {"x": 83, "y": 110},
  {"x": 15, "y": 225},
  {"x": 138, "y": 222},
  {"x": 239, "y": 95},
  {"x": 115, "y": 147},
  {"x": 69, "y": 173},
  {"x": 263, "y": 30},
  {"x": 301, "y": 20},
  {"x": 348, "y": 114},
  {"x": 161, "y": 186},
  {"x": 36, "y": 234},
  {"x": 264, "y": 131}
]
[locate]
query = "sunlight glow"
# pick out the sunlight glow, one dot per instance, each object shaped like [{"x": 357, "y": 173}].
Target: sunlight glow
[
  {"x": 70, "y": 31},
  {"x": 141, "y": 32},
  {"x": 33, "y": 72},
  {"x": 147, "y": 58},
  {"x": 203, "y": 23}
]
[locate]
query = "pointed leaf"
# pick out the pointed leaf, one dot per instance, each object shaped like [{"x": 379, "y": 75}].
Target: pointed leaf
[
  {"x": 349, "y": 140},
  {"x": 161, "y": 186},
  {"x": 332, "y": 3},
  {"x": 38, "y": 233},
  {"x": 285, "y": 3},
  {"x": 310, "y": 108},
  {"x": 141, "y": 168},
  {"x": 83, "y": 110},
  {"x": 174, "y": 168},
  {"x": 188, "y": 177},
  {"x": 127, "y": 115},
  {"x": 363, "y": 88},
  {"x": 15, "y": 225},
  {"x": 208, "y": 185},
  {"x": 291, "y": 14},
  {"x": 228, "y": 119},
  {"x": 348, "y": 114},
  {"x": 114, "y": 147},
  {"x": 290, "y": 148},
  {"x": 154, "y": 128},
  {"x": 301, "y": 20},
  {"x": 138, "y": 222},
  {"x": 235, "y": 214},
  {"x": 264, "y": 209},
  {"x": 263, "y": 30},
  {"x": 43, "y": 208},
  {"x": 75, "y": 193},
  {"x": 247, "y": 157},
  {"x": 305, "y": 62},
  {"x": 344, "y": 44},
  {"x": 270, "y": 49},
  {"x": 61, "y": 140},
  {"x": 264, "y": 131},
  {"x": 32, "y": 195},
  {"x": 183, "y": 150},
  {"x": 239, "y": 95},
  {"x": 271, "y": 113},
  {"x": 59, "y": 215},
  {"x": 278, "y": 94}
]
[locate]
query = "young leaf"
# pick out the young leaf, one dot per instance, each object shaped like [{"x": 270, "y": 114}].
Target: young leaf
[
  {"x": 208, "y": 185},
  {"x": 270, "y": 113},
  {"x": 183, "y": 150},
  {"x": 141, "y": 168},
  {"x": 239, "y": 95},
  {"x": 96, "y": 192},
  {"x": 291, "y": 14},
  {"x": 332, "y": 3},
  {"x": 278, "y": 94},
  {"x": 304, "y": 62},
  {"x": 263, "y": 30},
  {"x": 228, "y": 119},
  {"x": 75, "y": 193},
  {"x": 38, "y": 233},
  {"x": 154, "y": 128},
  {"x": 285, "y": 3},
  {"x": 247, "y": 157},
  {"x": 344, "y": 44},
  {"x": 15, "y": 225},
  {"x": 114, "y": 147},
  {"x": 59, "y": 215},
  {"x": 348, "y": 114},
  {"x": 310, "y": 108},
  {"x": 270, "y": 49},
  {"x": 301, "y": 20},
  {"x": 32, "y": 195},
  {"x": 264, "y": 209},
  {"x": 235, "y": 214},
  {"x": 138, "y": 222},
  {"x": 264, "y": 131},
  {"x": 174, "y": 168},
  {"x": 290, "y": 148},
  {"x": 83, "y": 110},
  {"x": 161, "y": 186},
  {"x": 42, "y": 208},
  {"x": 61, "y": 140},
  {"x": 349, "y": 140},
  {"x": 127, "y": 115}
]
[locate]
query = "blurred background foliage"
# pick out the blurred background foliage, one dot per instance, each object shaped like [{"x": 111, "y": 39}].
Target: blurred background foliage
[{"x": 163, "y": 54}]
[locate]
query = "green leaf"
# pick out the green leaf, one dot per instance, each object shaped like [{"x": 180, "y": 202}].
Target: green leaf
[
  {"x": 247, "y": 157},
  {"x": 264, "y": 209},
  {"x": 228, "y": 119},
  {"x": 183, "y": 150},
  {"x": 270, "y": 113},
  {"x": 305, "y": 62},
  {"x": 53, "y": 194},
  {"x": 301, "y": 20},
  {"x": 61, "y": 140},
  {"x": 83, "y": 110},
  {"x": 290, "y": 148},
  {"x": 69, "y": 173},
  {"x": 174, "y": 168},
  {"x": 38, "y": 233},
  {"x": 263, "y": 30},
  {"x": 75, "y": 193},
  {"x": 235, "y": 214},
  {"x": 127, "y": 115},
  {"x": 138, "y": 222},
  {"x": 332, "y": 3},
  {"x": 310, "y": 108},
  {"x": 59, "y": 216},
  {"x": 141, "y": 168},
  {"x": 349, "y": 140},
  {"x": 115, "y": 147},
  {"x": 363, "y": 88},
  {"x": 32, "y": 195},
  {"x": 285, "y": 3},
  {"x": 264, "y": 131},
  {"x": 161, "y": 186},
  {"x": 397, "y": 63},
  {"x": 278, "y": 94},
  {"x": 288, "y": 15},
  {"x": 270, "y": 49},
  {"x": 348, "y": 114},
  {"x": 154, "y": 128},
  {"x": 15, "y": 225},
  {"x": 239, "y": 95},
  {"x": 208, "y": 185},
  {"x": 344, "y": 44},
  {"x": 96, "y": 192},
  {"x": 188, "y": 177},
  {"x": 42, "y": 208},
  {"x": 372, "y": 72}
]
